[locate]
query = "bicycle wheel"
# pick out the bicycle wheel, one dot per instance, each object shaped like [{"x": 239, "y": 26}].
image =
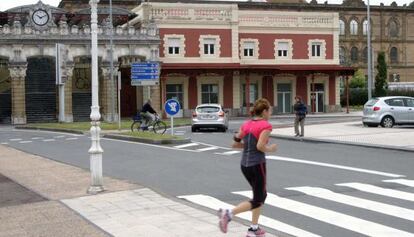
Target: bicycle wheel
[
  {"x": 136, "y": 126},
  {"x": 160, "y": 127}
]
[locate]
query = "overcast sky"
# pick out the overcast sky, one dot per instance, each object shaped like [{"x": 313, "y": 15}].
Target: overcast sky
[{"x": 7, "y": 4}]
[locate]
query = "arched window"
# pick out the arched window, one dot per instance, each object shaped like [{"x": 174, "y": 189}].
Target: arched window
[
  {"x": 393, "y": 28},
  {"x": 353, "y": 27},
  {"x": 341, "y": 27},
  {"x": 365, "y": 27},
  {"x": 354, "y": 54},
  {"x": 342, "y": 55},
  {"x": 394, "y": 55},
  {"x": 365, "y": 55}
]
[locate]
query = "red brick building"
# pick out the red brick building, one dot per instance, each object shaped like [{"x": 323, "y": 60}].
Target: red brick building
[{"x": 232, "y": 54}]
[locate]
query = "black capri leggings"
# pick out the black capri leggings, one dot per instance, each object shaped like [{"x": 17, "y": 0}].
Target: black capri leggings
[{"x": 256, "y": 176}]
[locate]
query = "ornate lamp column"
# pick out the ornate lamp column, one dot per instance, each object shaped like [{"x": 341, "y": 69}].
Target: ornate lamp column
[{"x": 96, "y": 150}]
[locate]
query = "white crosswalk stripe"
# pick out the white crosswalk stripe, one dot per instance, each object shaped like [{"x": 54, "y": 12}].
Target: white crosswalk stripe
[
  {"x": 208, "y": 148},
  {"x": 186, "y": 145},
  {"x": 215, "y": 204},
  {"x": 406, "y": 182},
  {"x": 380, "y": 191},
  {"x": 335, "y": 218},
  {"x": 229, "y": 153},
  {"x": 357, "y": 202},
  {"x": 350, "y": 222}
]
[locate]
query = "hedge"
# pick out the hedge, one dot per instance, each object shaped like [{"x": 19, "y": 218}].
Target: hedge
[{"x": 359, "y": 96}]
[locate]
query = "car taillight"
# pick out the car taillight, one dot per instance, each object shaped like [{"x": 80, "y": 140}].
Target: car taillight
[
  {"x": 194, "y": 114},
  {"x": 221, "y": 114},
  {"x": 376, "y": 108}
]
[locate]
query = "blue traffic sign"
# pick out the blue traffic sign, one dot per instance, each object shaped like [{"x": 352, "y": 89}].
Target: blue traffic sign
[
  {"x": 145, "y": 73},
  {"x": 172, "y": 107}
]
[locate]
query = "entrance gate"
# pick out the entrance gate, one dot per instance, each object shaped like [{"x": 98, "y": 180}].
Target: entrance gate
[{"x": 41, "y": 90}]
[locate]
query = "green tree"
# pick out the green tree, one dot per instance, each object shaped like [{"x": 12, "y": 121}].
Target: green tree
[
  {"x": 381, "y": 84},
  {"x": 411, "y": 4},
  {"x": 358, "y": 80}
]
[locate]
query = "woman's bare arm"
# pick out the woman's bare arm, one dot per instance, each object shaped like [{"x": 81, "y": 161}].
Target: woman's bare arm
[
  {"x": 262, "y": 143},
  {"x": 236, "y": 144}
]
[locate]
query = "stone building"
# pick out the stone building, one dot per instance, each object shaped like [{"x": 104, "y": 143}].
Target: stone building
[{"x": 28, "y": 35}]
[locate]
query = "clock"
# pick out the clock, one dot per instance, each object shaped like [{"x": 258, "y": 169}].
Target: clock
[{"x": 40, "y": 17}]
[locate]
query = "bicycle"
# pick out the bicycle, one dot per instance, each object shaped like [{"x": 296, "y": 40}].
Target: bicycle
[{"x": 157, "y": 125}]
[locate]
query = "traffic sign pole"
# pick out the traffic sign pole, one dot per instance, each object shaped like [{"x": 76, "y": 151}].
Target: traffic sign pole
[{"x": 172, "y": 125}]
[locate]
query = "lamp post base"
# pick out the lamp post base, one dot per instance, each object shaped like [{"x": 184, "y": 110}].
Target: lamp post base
[{"x": 95, "y": 189}]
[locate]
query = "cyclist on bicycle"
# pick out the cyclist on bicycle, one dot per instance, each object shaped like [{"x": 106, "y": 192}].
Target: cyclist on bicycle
[{"x": 148, "y": 114}]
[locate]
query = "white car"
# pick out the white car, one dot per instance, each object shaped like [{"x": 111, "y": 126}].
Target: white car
[
  {"x": 210, "y": 116},
  {"x": 388, "y": 111}
]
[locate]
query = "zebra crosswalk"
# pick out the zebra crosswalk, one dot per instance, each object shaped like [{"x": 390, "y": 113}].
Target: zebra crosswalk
[
  {"x": 313, "y": 204},
  {"x": 203, "y": 147}
]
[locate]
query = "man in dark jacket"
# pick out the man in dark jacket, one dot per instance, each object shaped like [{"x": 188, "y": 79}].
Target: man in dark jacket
[
  {"x": 148, "y": 115},
  {"x": 300, "y": 112}
]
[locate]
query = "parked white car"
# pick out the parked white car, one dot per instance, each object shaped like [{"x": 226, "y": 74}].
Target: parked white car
[
  {"x": 210, "y": 116},
  {"x": 388, "y": 111}
]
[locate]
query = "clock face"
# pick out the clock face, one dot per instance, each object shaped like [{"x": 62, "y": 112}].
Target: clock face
[{"x": 40, "y": 17}]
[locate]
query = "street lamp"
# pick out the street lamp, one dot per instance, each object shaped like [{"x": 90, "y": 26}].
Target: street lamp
[
  {"x": 95, "y": 151},
  {"x": 369, "y": 52}
]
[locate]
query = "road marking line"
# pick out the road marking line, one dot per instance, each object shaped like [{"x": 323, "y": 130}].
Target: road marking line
[
  {"x": 4, "y": 143},
  {"x": 61, "y": 136},
  {"x": 383, "y": 208},
  {"x": 37, "y": 138},
  {"x": 228, "y": 153},
  {"x": 71, "y": 138},
  {"x": 186, "y": 145},
  {"x": 405, "y": 182},
  {"x": 380, "y": 191},
  {"x": 25, "y": 141},
  {"x": 206, "y": 144},
  {"x": 208, "y": 149},
  {"x": 279, "y": 158},
  {"x": 334, "y": 218},
  {"x": 49, "y": 140},
  {"x": 215, "y": 204},
  {"x": 15, "y": 139}
]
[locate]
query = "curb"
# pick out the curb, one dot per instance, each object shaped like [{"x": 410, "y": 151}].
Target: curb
[
  {"x": 316, "y": 140},
  {"x": 149, "y": 141},
  {"x": 50, "y": 129}
]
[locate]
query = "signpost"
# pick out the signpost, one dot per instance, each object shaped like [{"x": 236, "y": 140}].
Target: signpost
[
  {"x": 60, "y": 80},
  {"x": 145, "y": 73},
  {"x": 172, "y": 107}
]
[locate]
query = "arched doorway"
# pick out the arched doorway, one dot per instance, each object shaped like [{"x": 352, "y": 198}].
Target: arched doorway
[
  {"x": 5, "y": 92},
  {"x": 41, "y": 90},
  {"x": 128, "y": 94}
]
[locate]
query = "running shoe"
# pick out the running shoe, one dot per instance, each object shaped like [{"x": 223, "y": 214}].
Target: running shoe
[
  {"x": 224, "y": 217},
  {"x": 255, "y": 233}
]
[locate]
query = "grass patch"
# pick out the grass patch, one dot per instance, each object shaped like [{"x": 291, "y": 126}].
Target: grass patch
[
  {"x": 151, "y": 135},
  {"x": 85, "y": 126}
]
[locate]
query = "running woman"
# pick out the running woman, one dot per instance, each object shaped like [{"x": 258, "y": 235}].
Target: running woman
[{"x": 252, "y": 137}]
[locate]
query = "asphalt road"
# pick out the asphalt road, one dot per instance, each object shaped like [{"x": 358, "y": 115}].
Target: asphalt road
[{"x": 207, "y": 171}]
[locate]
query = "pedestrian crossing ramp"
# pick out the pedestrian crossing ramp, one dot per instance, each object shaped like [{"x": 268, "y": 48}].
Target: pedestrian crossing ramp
[{"x": 364, "y": 210}]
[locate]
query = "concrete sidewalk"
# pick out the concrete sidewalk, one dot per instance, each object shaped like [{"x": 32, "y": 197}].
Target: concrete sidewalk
[
  {"x": 354, "y": 133},
  {"x": 59, "y": 205}
]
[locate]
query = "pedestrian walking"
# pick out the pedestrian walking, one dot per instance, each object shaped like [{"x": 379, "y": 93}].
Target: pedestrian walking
[
  {"x": 253, "y": 138},
  {"x": 300, "y": 111}
]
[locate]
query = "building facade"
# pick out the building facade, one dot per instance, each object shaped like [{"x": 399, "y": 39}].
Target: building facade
[
  {"x": 28, "y": 34},
  {"x": 232, "y": 54}
]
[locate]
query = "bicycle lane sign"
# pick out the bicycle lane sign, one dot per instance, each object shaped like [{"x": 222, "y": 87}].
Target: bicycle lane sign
[{"x": 172, "y": 107}]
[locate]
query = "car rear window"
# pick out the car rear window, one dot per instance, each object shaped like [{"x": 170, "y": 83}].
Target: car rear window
[
  {"x": 371, "y": 102},
  {"x": 208, "y": 109}
]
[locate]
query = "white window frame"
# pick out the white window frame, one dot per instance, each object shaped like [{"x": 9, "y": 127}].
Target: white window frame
[
  {"x": 255, "y": 48},
  {"x": 353, "y": 28},
  {"x": 217, "y": 46},
  {"x": 290, "y": 49},
  {"x": 342, "y": 27},
  {"x": 323, "y": 48},
  {"x": 365, "y": 27},
  {"x": 167, "y": 45}
]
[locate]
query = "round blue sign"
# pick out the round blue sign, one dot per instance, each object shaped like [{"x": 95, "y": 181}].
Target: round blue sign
[{"x": 172, "y": 107}]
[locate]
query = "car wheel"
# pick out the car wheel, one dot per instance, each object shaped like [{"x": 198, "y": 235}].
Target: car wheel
[{"x": 387, "y": 122}]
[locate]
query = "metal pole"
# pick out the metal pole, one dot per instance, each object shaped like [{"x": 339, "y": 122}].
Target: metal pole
[
  {"x": 119, "y": 100},
  {"x": 347, "y": 94},
  {"x": 369, "y": 52},
  {"x": 111, "y": 54},
  {"x": 96, "y": 150}
]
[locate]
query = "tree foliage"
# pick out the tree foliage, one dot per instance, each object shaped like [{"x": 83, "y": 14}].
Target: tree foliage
[
  {"x": 381, "y": 84},
  {"x": 358, "y": 80}
]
